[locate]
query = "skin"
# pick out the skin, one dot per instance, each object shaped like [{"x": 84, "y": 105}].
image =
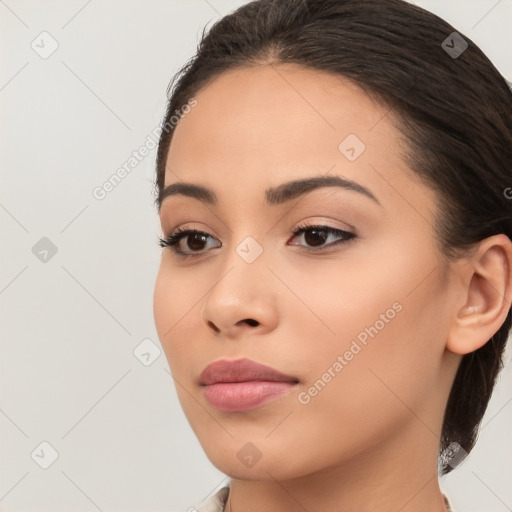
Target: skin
[{"x": 369, "y": 439}]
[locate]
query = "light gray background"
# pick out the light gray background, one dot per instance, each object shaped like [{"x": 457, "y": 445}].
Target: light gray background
[{"x": 70, "y": 325}]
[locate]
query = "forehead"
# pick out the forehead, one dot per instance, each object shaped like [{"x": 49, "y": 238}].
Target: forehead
[{"x": 260, "y": 126}]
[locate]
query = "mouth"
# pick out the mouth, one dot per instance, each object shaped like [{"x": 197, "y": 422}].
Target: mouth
[
  {"x": 241, "y": 370},
  {"x": 243, "y": 396},
  {"x": 243, "y": 384}
]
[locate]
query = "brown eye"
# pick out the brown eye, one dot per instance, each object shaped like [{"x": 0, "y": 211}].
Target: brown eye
[
  {"x": 195, "y": 241},
  {"x": 194, "y": 244},
  {"x": 317, "y": 235}
]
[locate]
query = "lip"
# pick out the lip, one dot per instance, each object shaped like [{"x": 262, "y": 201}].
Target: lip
[
  {"x": 241, "y": 370},
  {"x": 243, "y": 384}
]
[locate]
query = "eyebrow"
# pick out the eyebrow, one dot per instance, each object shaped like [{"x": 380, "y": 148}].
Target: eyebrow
[{"x": 274, "y": 195}]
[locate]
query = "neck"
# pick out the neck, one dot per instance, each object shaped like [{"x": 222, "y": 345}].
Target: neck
[{"x": 398, "y": 475}]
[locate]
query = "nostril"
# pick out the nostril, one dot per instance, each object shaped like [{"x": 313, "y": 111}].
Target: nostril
[
  {"x": 213, "y": 326},
  {"x": 250, "y": 321}
]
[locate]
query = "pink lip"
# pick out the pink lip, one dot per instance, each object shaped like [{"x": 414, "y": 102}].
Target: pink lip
[
  {"x": 242, "y": 384},
  {"x": 241, "y": 370}
]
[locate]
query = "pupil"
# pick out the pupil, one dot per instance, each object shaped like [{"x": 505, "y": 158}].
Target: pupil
[
  {"x": 195, "y": 238},
  {"x": 315, "y": 239}
]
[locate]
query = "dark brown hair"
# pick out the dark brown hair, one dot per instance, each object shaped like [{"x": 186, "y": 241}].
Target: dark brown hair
[{"x": 454, "y": 110}]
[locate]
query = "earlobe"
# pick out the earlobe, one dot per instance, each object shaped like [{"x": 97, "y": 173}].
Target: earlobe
[{"x": 487, "y": 293}]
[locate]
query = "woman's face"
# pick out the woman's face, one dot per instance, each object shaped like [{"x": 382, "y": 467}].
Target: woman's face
[{"x": 361, "y": 324}]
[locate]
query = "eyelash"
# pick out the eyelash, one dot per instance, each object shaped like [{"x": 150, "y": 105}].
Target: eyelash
[{"x": 172, "y": 241}]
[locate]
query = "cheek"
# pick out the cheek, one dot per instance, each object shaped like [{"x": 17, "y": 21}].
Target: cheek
[
  {"x": 352, "y": 405},
  {"x": 164, "y": 305},
  {"x": 176, "y": 301},
  {"x": 383, "y": 317}
]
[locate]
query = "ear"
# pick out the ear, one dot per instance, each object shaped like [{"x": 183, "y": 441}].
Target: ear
[{"x": 487, "y": 295}]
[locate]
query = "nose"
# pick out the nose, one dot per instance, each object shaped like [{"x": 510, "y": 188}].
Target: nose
[
  {"x": 242, "y": 301},
  {"x": 249, "y": 321}
]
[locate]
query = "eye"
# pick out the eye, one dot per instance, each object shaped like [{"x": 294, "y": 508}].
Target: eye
[
  {"x": 195, "y": 243},
  {"x": 314, "y": 235}
]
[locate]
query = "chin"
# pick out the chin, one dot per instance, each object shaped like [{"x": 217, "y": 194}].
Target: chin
[{"x": 253, "y": 461}]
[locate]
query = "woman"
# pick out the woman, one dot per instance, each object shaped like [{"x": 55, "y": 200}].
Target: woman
[{"x": 334, "y": 294}]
